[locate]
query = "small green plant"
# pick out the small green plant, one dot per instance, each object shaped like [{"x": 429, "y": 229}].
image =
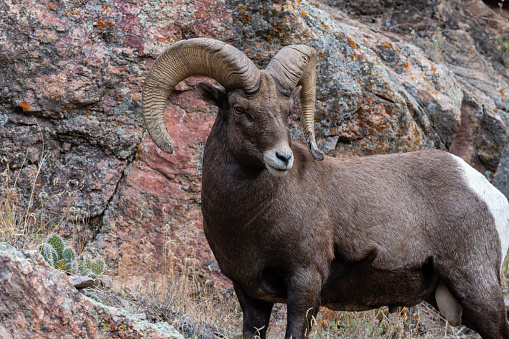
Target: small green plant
[
  {"x": 57, "y": 254},
  {"x": 89, "y": 268},
  {"x": 502, "y": 46},
  {"x": 60, "y": 256},
  {"x": 438, "y": 45}
]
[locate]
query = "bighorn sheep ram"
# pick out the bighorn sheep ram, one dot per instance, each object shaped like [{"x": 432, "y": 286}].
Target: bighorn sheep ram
[{"x": 293, "y": 226}]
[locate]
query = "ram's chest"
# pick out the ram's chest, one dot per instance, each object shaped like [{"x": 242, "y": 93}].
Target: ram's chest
[
  {"x": 252, "y": 245},
  {"x": 237, "y": 243},
  {"x": 242, "y": 256}
]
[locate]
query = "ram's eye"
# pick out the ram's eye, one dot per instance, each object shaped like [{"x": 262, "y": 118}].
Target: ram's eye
[{"x": 238, "y": 110}]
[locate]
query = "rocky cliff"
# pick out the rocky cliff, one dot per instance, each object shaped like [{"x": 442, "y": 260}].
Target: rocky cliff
[{"x": 393, "y": 76}]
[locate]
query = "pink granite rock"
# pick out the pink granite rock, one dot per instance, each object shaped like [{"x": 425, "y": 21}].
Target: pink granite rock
[{"x": 37, "y": 301}]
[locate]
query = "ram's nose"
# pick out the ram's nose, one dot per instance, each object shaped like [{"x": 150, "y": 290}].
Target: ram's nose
[
  {"x": 278, "y": 160},
  {"x": 285, "y": 157}
]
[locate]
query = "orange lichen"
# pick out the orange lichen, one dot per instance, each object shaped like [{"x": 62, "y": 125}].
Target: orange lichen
[
  {"x": 25, "y": 106},
  {"x": 138, "y": 152},
  {"x": 351, "y": 42},
  {"x": 100, "y": 23},
  {"x": 320, "y": 54}
]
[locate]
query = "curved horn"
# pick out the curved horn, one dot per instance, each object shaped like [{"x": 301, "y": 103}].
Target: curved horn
[
  {"x": 215, "y": 59},
  {"x": 293, "y": 66}
]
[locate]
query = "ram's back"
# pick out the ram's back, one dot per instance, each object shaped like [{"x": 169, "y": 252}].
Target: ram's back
[{"x": 408, "y": 208}]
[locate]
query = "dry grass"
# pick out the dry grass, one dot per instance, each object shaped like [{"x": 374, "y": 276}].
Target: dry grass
[
  {"x": 201, "y": 313},
  {"x": 25, "y": 219},
  {"x": 22, "y": 224},
  {"x": 505, "y": 272},
  {"x": 186, "y": 300}
]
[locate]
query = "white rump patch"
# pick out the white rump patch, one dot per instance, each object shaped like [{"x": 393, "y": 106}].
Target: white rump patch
[{"x": 496, "y": 201}]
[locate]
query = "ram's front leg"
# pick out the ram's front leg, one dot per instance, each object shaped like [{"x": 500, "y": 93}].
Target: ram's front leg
[
  {"x": 256, "y": 314},
  {"x": 303, "y": 301}
]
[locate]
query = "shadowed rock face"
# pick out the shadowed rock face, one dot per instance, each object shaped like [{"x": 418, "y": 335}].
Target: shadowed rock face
[
  {"x": 37, "y": 301},
  {"x": 71, "y": 90}
]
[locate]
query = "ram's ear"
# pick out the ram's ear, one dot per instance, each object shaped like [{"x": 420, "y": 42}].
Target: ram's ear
[{"x": 213, "y": 95}]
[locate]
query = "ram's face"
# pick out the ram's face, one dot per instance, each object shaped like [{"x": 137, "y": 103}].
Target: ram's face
[{"x": 258, "y": 126}]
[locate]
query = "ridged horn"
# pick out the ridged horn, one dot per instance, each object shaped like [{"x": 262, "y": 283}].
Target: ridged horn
[
  {"x": 294, "y": 66},
  {"x": 208, "y": 57}
]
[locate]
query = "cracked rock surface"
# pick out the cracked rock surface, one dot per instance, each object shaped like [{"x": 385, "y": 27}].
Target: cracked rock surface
[{"x": 70, "y": 102}]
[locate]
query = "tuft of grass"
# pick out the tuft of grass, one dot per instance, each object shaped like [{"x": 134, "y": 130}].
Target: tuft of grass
[
  {"x": 438, "y": 45},
  {"x": 23, "y": 225},
  {"x": 26, "y": 221},
  {"x": 186, "y": 299},
  {"x": 505, "y": 272}
]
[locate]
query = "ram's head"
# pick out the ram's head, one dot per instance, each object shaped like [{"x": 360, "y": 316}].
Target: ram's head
[{"x": 254, "y": 103}]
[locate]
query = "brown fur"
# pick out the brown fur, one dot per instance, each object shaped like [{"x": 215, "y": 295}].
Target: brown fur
[{"x": 348, "y": 234}]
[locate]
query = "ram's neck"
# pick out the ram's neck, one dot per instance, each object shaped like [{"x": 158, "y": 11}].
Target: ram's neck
[{"x": 223, "y": 174}]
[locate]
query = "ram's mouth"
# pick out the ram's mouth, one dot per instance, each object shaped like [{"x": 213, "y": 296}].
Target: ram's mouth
[
  {"x": 277, "y": 172},
  {"x": 278, "y": 160}
]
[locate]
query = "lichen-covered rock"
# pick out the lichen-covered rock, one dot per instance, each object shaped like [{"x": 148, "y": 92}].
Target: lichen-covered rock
[
  {"x": 37, "y": 301},
  {"x": 468, "y": 39},
  {"x": 387, "y": 81}
]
